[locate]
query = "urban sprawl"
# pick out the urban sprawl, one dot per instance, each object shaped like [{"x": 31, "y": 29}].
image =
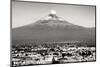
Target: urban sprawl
[{"x": 35, "y": 53}]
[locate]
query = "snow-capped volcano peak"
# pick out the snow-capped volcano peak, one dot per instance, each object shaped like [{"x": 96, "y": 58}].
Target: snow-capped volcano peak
[
  {"x": 52, "y": 16},
  {"x": 52, "y": 19}
]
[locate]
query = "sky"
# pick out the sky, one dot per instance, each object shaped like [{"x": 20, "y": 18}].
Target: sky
[{"x": 24, "y": 13}]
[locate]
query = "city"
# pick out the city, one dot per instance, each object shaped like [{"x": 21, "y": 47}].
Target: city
[{"x": 51, "y": 53}]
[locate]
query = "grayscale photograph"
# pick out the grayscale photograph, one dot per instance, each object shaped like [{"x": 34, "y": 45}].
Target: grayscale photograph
[{"x": 44, "y": 33}]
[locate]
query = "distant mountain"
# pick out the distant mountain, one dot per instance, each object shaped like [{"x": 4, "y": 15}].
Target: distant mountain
[{"x": 51, "y": 28}]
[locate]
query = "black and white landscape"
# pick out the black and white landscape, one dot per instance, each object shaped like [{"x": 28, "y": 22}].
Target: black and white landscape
[{"x": 52, "y": 39}]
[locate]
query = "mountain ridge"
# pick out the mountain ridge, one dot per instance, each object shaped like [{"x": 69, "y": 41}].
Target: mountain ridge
[{"x": 53, "y": 28}]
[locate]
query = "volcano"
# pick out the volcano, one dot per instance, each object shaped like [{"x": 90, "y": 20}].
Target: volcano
[{"x": 53, "y": 27}]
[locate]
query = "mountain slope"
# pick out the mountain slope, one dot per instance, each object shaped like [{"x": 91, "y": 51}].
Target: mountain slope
[{"x": 53, "y": 28}]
